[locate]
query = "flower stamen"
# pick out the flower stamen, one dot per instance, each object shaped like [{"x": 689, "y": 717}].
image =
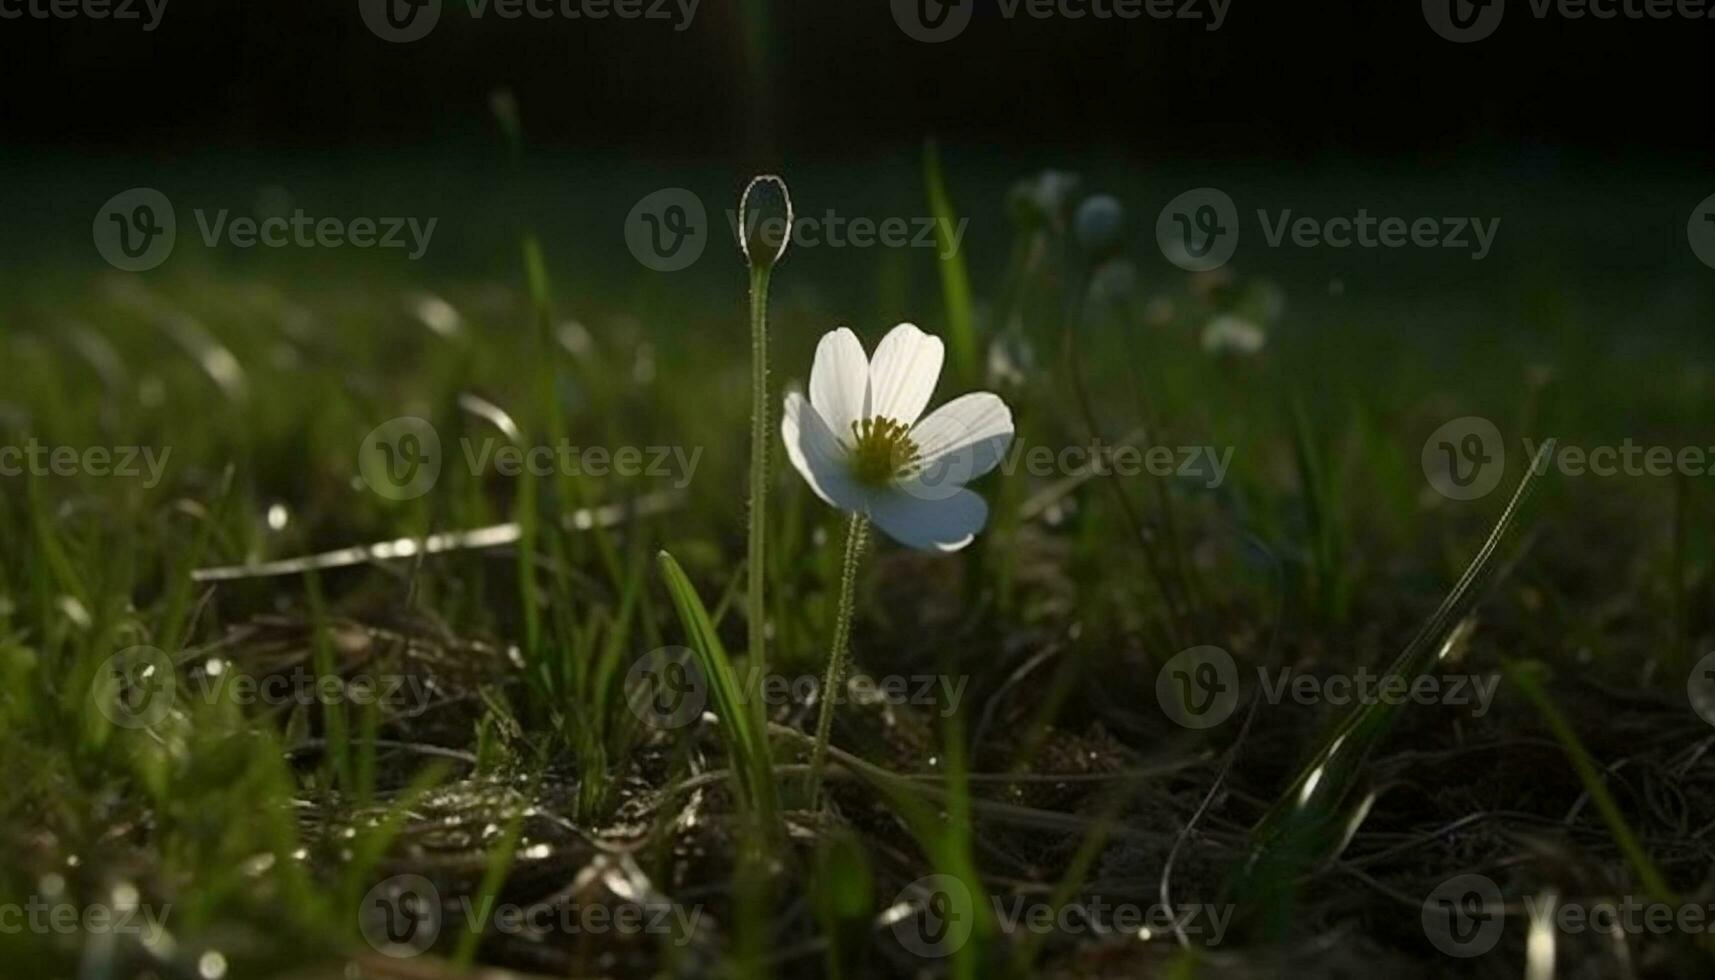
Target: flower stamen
[{"x": 882, "y": 451}]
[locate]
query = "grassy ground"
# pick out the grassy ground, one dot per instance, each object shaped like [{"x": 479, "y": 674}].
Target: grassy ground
[{"x": 1032, "y": 756}]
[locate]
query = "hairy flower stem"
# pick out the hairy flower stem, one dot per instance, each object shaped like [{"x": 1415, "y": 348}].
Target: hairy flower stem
[
  {"x": 856, "y": 534},
  {"x": 756, "y": 563}
]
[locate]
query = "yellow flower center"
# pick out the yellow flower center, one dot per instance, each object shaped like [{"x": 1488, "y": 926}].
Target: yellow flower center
[{"x": 882, "y": 451}]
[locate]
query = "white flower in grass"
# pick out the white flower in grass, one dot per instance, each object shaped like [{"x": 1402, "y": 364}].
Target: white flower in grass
[
  {"x": 862, "y": 443},
  {"x": 1228, "y": 334}
]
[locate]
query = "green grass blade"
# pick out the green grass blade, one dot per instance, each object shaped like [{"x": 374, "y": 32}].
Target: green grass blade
[
  {"x": 741, "y": 721},
  {"x": 955, "y": 279},
  {"x": 493, "y": 876},
  {"x": 1313, "y": 817},
  {"x": 1526, "y": 677}
]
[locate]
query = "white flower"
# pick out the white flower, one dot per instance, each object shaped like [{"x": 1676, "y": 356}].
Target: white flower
[
  {"x": 1228, "y": 334},
  {"x": 863, "y": 445}
]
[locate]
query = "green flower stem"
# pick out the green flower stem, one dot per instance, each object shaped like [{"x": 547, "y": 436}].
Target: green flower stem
[
  {"x": 1071, "y": 354},
  {"x": 756, "y": 610},
  {"x": 857, "y": 532}
]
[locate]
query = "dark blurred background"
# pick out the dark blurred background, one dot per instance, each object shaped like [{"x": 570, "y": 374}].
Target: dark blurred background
[{"x": 830, "y": 79}]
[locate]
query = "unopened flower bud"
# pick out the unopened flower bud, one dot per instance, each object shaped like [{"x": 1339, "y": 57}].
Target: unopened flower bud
[
  {"x": 1099, "y": 225},
  {"x": 764, "y": 220}
]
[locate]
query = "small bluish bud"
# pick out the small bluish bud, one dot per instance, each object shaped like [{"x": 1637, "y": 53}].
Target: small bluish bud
[{"x": 1099, "y": 224}]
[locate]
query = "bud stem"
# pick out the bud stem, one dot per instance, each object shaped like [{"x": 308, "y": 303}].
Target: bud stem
[{"x": 756, "y": 563}]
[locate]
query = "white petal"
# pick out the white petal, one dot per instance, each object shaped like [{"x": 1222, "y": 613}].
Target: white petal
[
  {"x": 816, "y": 455},
  {"x": 839, "y": 381},
  {"x": 963, "y": 439},
  {"x": 902, "y": 377},
  {"x": 931, "y": 525}
]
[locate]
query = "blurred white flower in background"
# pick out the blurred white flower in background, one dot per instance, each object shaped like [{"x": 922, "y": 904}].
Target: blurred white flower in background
[{"x": 1229, "y": 334}]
